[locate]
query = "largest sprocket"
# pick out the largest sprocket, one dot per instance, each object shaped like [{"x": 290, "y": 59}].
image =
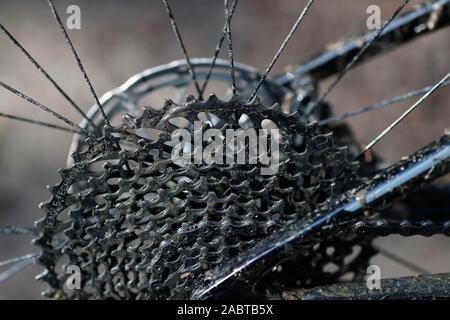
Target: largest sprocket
[{"x": 139, "y": 225}]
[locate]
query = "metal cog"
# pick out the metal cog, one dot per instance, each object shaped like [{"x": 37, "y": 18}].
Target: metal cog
[{"x": 151, "y": 232}]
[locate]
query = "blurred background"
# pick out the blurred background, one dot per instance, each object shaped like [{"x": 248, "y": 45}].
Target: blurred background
[{"x": 120, "y": 38}]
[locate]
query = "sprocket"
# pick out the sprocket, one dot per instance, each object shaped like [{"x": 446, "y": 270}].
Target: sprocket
[{"x": 140, "y": 226}]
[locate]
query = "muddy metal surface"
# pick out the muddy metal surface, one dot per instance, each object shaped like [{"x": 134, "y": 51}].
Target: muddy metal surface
[{"x": 419, "y": 287}]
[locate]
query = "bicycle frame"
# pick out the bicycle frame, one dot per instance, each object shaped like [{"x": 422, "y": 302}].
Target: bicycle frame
[{"x": 426, "y": 19}]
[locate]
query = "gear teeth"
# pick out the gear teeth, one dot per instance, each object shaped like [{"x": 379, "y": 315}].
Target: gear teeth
[
  {"x": 276, "y": 108},
  {"x": 190, "y": 99},
  {"x": 212, "y": 100},
  {"x": 168, "y": 104},
  {"x": 234, "y": 100},
  {"x": 121, "y": 226},
  {"x": 129, "y": 120}
]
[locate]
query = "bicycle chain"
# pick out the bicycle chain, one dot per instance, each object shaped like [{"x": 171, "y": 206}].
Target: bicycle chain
[{"x": 407, "y": 228}]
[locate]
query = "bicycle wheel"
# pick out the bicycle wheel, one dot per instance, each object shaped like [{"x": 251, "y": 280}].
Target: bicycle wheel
[{"x": 137, "y": 224}]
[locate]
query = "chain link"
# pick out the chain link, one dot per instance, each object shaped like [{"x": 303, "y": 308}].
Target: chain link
[{"x": 407, "y": 228}]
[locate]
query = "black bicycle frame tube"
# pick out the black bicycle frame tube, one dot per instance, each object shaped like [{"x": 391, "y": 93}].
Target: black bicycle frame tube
[{"x": 427, "y": 18}]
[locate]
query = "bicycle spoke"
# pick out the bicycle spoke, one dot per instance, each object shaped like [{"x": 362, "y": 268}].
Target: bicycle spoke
[
  {"x": 230, "y": 46},
  {"x": 77, "y": 58},
  {"x": 19, "y": 259},
  {"x": 35, "y": 122},
  {"x": 217, "y": 51},
  {"x": 378, "y": 105},
  {"x": 81, "y": 67},
  {"x": 356, "y": 58},
  {"x": 283, "y": 46},
  {"x": 404, "y": 115},
  {"x": 401, "y": 261},
  {"x": 183, "y": 47},
  {"x": 14, "y": 230},
  {"x": 46, "y": 109},
  {"x": 45, "y": 73},
  {"x": 16, "y": 268}
]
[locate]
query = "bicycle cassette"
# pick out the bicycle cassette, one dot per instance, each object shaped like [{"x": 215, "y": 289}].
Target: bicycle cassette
[{"x": 140, "y": 225}]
